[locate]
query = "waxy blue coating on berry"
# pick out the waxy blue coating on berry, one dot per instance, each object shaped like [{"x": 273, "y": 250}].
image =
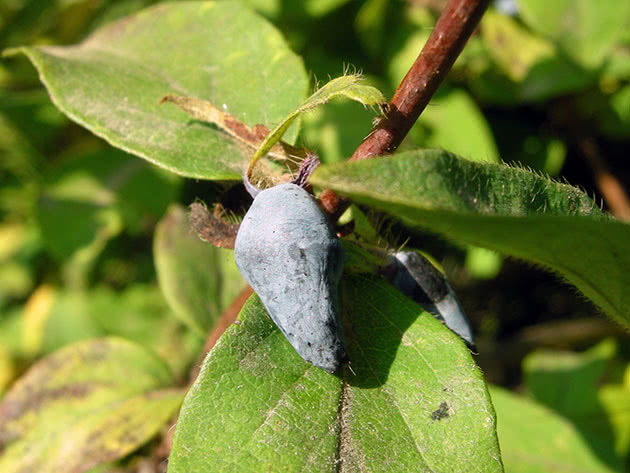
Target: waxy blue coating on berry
[
  {"x": 289, "y": 253},
  {"x": 418, "y": 279}
]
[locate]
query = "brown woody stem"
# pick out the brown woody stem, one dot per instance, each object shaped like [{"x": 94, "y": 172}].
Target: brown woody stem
[
  {"x": 452, "y": 30},
  {"x": 227, "y": 318}
]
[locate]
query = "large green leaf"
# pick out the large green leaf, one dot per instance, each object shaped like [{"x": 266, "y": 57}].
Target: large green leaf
[
  {"x": 86, "y": 404},
  {"x": 218, "y": 51},
  {"x": 506, "y": 209},
  {"x": 413, "y": 399},
  {"x": 198, "y": 279},
  {"x": 534, "y": 439}
]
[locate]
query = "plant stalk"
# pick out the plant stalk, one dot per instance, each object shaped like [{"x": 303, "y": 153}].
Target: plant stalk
[{"x": 452, "y": 30}]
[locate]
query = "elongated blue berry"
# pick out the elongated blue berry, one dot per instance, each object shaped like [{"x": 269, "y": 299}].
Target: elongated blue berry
[
  {"x": 288, "y": 252},
  {"x": 415, "y": 276}
]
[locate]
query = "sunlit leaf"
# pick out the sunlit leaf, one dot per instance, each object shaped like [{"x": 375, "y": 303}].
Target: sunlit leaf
[
  {"x": 219, "y": 51},
  {"x": 412, "y": 400}
]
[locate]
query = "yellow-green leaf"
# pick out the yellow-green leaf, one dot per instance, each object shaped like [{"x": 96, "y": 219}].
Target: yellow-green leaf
[{"x": 86, "y": 404}]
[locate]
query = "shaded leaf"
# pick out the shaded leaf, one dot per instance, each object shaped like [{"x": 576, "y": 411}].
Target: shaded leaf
[
  {"x": 525, "y": 67},
  {"x": 220, "y": 51},
  {"x": 55, "y": 317},
  {"x": 335, "y": 130},
  {"x": 467, "y": 134},
  {"x": 536, "y": 440},
  {"x": 615, "y": 401},
  {"x": 197, "y": 279},
  {"x": 414, "y": 399},
  {"x": 86, "y": 404},
  {"x": 568, "y": 382},
  {"x": 506, "y": 209},
  {"x": 91, "y": 198}
]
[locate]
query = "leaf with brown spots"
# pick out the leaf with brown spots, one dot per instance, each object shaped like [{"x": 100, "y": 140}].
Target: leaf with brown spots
[
  {"x": 252, "y": 137},
  {"x": 86, "y": 404},
  {"x": 222, "y": 52}
]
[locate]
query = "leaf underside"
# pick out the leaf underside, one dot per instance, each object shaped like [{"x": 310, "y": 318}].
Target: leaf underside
[{"x": 510, "y": 210}]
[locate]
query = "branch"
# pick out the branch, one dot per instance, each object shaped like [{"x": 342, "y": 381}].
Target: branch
[
  {"x": 566, "y": 116},
  {"x": 611, "y": 188},
  {"x": 451, "y": 32},
  {"x": 227, "y": 318}
]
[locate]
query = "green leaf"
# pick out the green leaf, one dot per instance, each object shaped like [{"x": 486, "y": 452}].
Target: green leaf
[
  {"x": 335, "y": 130},
  {"x": 506, "y": 209},
  {"x": 347, "y": 86},
  {"x": 91, "y": 198},
  {"x": 57, "y": 317},
  {"x": 93, "y": 195},
  {"x": 413, "y": 400},
  {"x": 197, "y": 279},
  {"x": 219, "y": 51},
  {"x": 86, "y": 404},
  {"x": 536, "y": 440},
  {"x": 586, "y": 30},
  {"x": 140, "y": 313},
  {"x": 7, "y": 369},
  {"x": 524, "y": 66},
  {"x": 569, "y": 383},
  {"x": 615, "y": 401}
]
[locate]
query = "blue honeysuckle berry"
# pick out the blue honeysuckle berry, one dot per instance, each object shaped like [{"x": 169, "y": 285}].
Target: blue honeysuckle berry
[
  {"x": 289, "y": 253},
  {"x": 415, "y": 276}
]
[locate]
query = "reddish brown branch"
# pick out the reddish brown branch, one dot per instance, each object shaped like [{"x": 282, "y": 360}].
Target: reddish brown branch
[
  {"x": 451, "y": 32},
  {"x": 227, "y": 318},
  {"x": 454, "y": 27},
  {"x": 612, "y": 190},
  {"x": 578, "y": 129}
]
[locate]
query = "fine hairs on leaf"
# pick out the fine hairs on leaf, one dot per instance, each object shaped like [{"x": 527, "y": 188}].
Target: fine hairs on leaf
[{"x": 347, "y": 86}]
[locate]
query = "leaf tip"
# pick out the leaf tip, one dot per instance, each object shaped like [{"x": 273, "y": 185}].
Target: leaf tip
[
  {"x": 11, "y": 52},
  {"x": 166, "y": 98}
]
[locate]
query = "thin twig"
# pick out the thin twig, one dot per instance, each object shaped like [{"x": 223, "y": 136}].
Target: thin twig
[
  {"x": 611, "y": 188},
  {"x": 578, "y": 129},
  {"x": 452, "y": 30},
  {"x": 227, "y": 318}
]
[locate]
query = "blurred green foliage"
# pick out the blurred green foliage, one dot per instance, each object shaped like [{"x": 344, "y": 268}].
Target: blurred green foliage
[{"x": 78, "y": 217}]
